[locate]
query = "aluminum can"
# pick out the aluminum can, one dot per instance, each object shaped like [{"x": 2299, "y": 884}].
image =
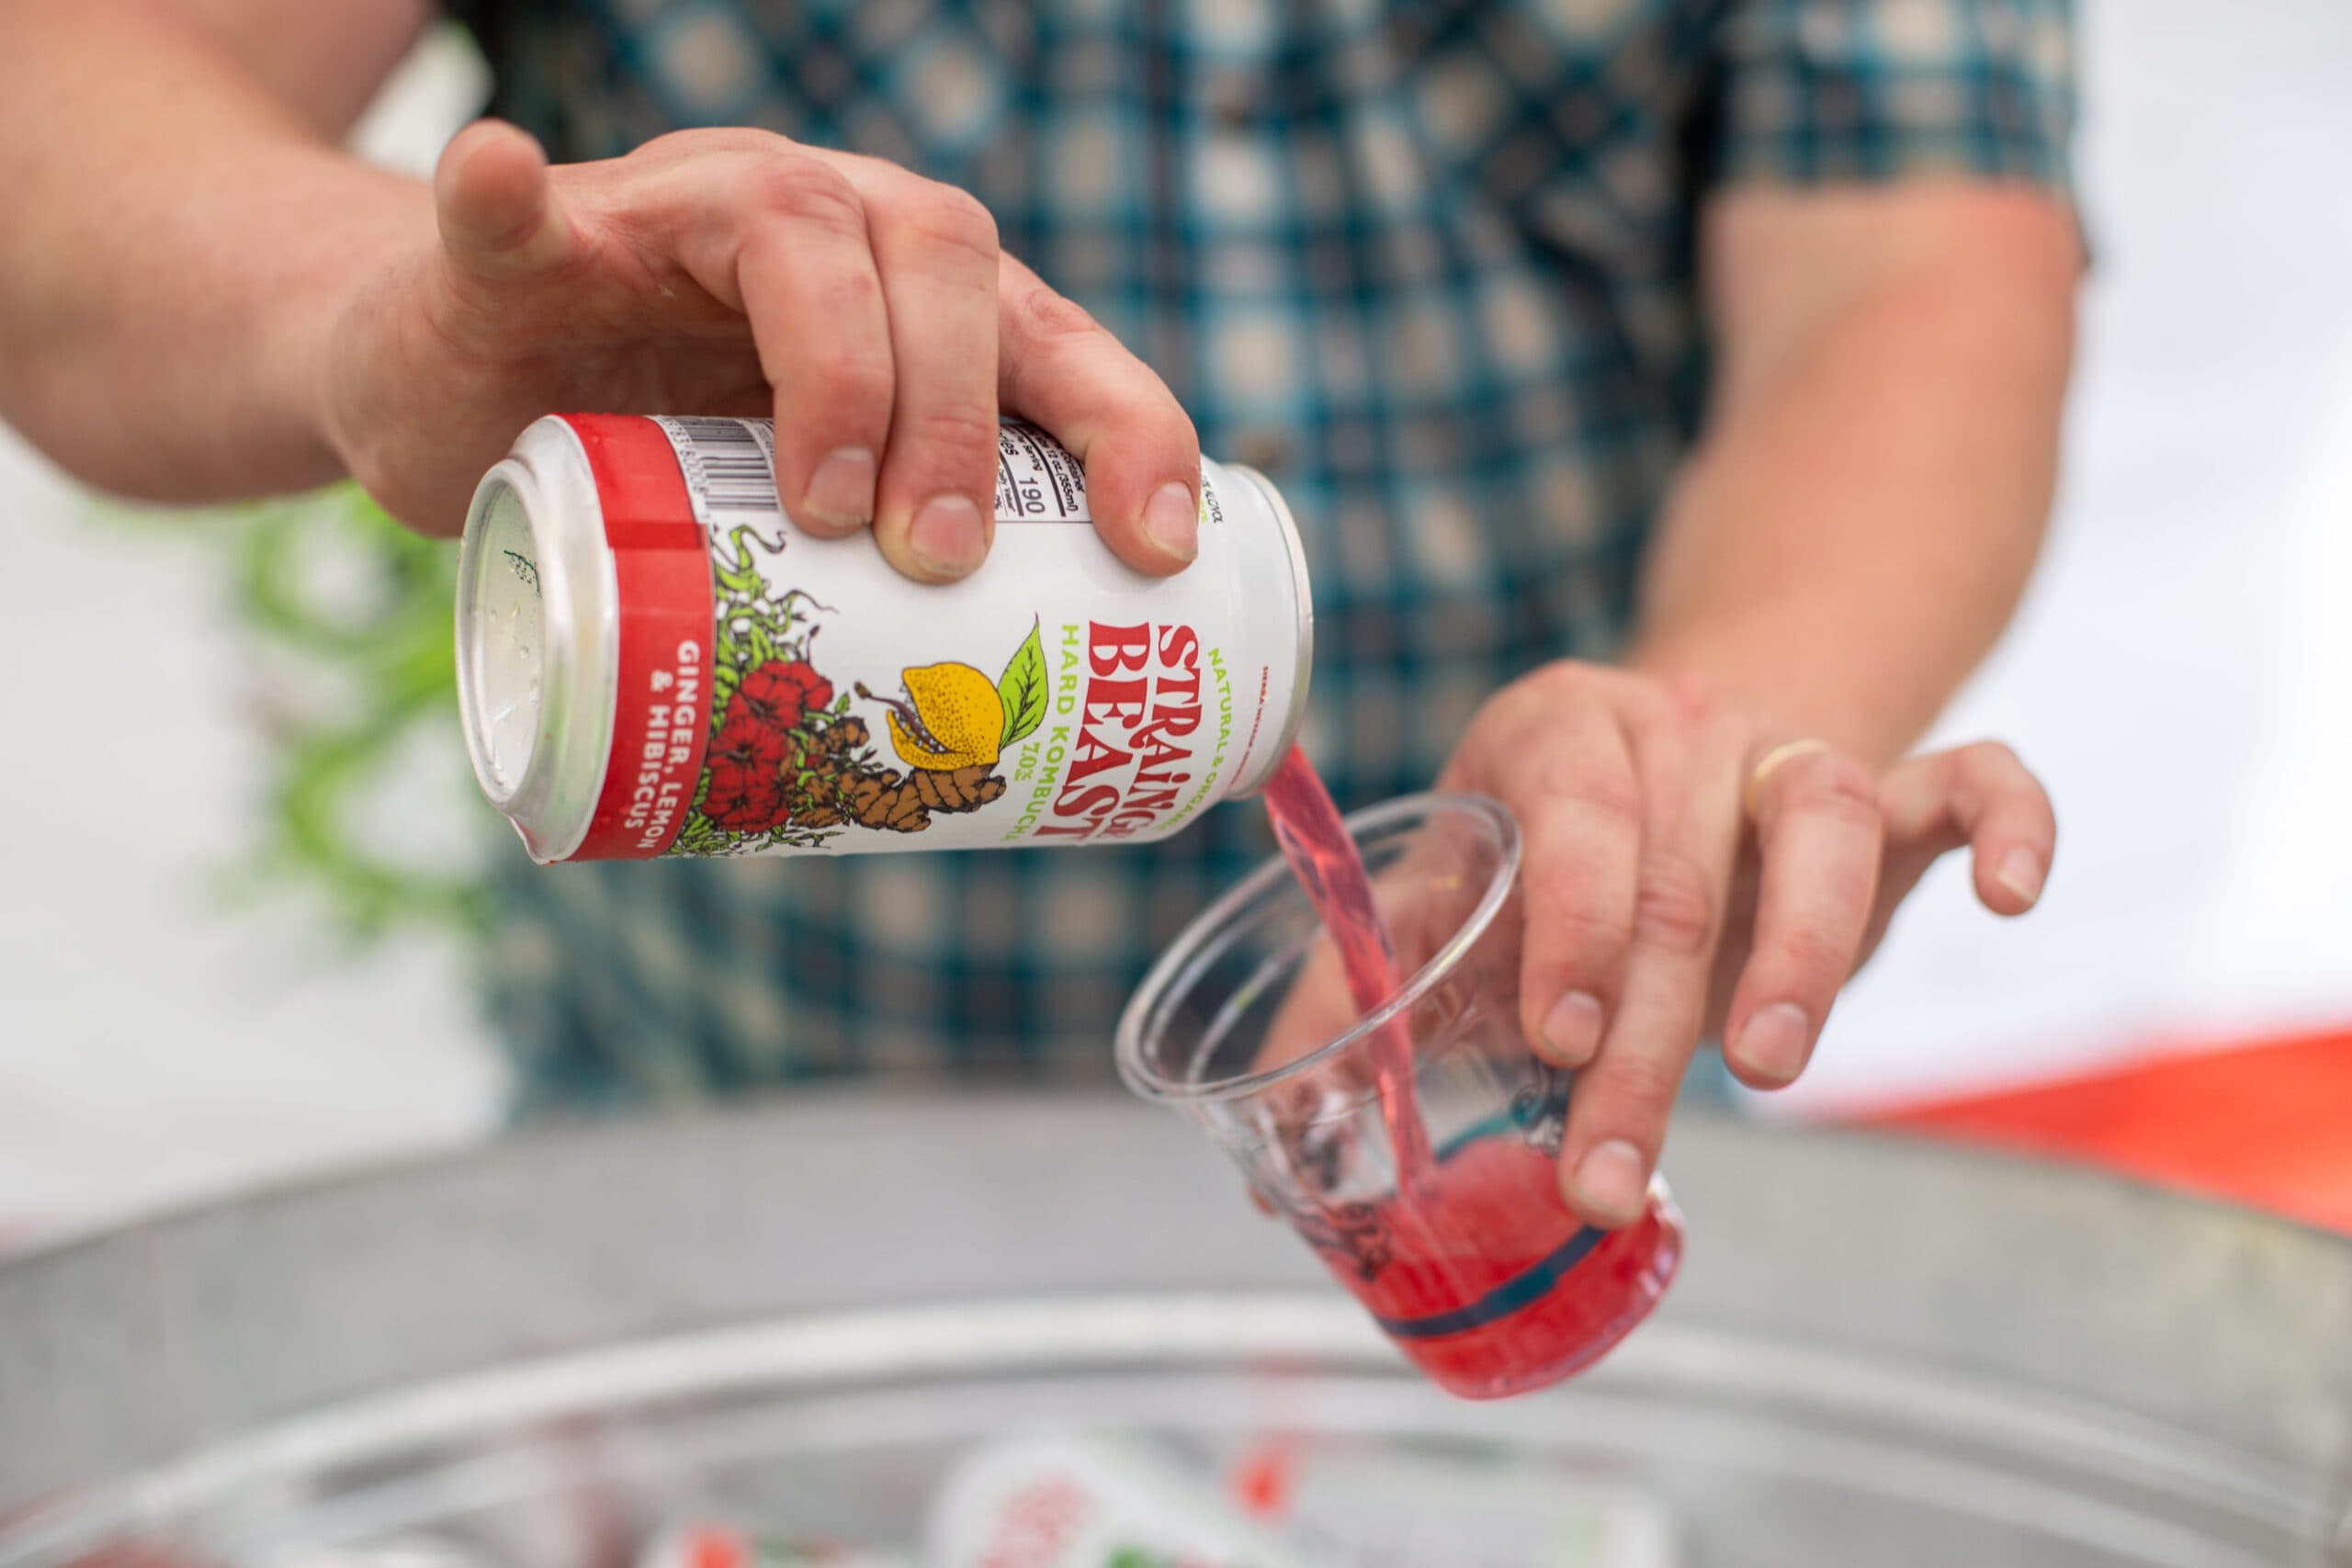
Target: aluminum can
[
  {"x": 1077, "y": 1502},
  {"x": 711, "y": 1543},
  {"x": 653, "y": 660},
  {"x": 1371, "y": 1506}
]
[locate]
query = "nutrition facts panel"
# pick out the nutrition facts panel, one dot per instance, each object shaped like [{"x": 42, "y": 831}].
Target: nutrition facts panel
[{"x": 1036, "y": 478}]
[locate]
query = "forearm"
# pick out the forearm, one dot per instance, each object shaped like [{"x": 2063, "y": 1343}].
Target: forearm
[
  {"x": 1855, "y": 528},
  {"x": 183, "y": 236}
]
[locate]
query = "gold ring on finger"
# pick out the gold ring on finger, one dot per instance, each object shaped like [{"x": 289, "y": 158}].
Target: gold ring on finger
[{"x": 1770, "y": 763}]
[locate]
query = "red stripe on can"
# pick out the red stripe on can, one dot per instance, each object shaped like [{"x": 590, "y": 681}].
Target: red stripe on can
[{"x": 662, "y": 705}]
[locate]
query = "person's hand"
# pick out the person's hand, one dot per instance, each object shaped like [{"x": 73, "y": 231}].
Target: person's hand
[
  {"x": 1695, "y": 870},
  {"x": 734, "y": 272}
]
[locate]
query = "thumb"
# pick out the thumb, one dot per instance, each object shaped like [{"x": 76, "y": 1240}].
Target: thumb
[{"x": 498, "y": 211}]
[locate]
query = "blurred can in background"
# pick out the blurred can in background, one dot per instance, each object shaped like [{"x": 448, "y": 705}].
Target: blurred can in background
[
  {"x": 1088, "y": 1503},
  {"x": 652, "y": 660},
  {"x": 713, "y": 1544},
  {"x": 1370, "y": 1506}
]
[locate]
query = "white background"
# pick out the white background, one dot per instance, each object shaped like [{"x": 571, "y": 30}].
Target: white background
[{"x": 2182, "y": 676}]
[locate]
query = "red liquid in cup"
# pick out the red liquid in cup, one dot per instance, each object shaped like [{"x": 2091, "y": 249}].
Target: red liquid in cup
[
  {"x": 1473, "y": 1267},
  {"x": 1536, "y": 1293}
]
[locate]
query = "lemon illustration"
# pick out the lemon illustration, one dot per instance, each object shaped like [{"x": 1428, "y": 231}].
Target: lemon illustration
[{"x": 953, "y": 719}]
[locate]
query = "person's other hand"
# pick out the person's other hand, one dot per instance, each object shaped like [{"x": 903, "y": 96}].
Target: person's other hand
[
  {"x": 734, "y": 272},
  {"x": 1695, "y": 870}
]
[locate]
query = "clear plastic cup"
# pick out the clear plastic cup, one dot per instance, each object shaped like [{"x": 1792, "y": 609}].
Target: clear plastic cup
[{"x": 1473, "y": 1267}]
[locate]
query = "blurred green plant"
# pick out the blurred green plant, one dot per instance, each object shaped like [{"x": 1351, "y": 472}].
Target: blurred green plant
[{"x": 351, "y": 618}]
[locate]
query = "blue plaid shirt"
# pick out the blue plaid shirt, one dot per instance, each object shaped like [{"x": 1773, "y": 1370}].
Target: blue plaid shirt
[{"x": 1430, "y": 265}]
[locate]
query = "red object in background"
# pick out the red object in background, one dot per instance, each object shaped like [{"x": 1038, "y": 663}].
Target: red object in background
[
  {"x": 2266, "y": 1125},
  {"x": 1264, "y": 1477}
]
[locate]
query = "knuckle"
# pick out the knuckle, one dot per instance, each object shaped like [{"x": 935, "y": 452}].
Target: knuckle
[
  {"x": 665, "y": 148},
  {"x": 953, "y": 432},
  {"x": 1674, "y": 908},
  {"x": 1566, "y": 680},
  {"x": 1697, "y": 700},
  {"x": 1591, "y": 787},
  {"x": 1991, "y": 761},
  {"x": 852, "y": 296},
  {"x": 1585, "y": 939},
  {"x": 1138, "y": 412},
  {"x": 955, "y": 221},
  {"x": 1649, "y": 708},
  {"x": 807, "y": 192},
  {"x": 1159, "y": 420},
  {"x": 1815, "y": 956},
  {"x": 713, "y": 139},
  {"x": 1637, "y": 1086},
  {"x": 851, "y": 386},
  {"x": 1835, "y": 787},
  {"x": 1051, "y": 315}
]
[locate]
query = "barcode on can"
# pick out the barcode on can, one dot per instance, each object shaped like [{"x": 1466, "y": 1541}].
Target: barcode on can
[{"x": 730, "y": 468}]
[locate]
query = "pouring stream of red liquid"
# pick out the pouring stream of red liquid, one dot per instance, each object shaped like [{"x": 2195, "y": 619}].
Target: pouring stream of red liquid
[{"x": 1314, "y": 839}]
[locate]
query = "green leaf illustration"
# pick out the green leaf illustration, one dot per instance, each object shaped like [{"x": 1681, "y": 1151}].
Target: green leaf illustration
[
  {"x": 1022, "y": 689},
  {"x": 724, "y": 678},
  {"x": 700, "y": 835}
]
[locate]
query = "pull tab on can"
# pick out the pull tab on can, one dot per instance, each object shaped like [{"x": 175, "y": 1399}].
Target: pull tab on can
[{"x": 654, "y": 660}]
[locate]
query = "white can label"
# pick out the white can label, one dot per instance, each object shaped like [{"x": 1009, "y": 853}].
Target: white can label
[
  {"x": 1056, "y": 697},
  {"x": 1081, "y": 1503},
  {"x": 1037, "y": 481}
]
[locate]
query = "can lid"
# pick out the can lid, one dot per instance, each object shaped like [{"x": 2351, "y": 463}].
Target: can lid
[
  {"x": 1302, "y": 617},
  {"x": 535, "y": 627},
  {"x": 501, "y": 659}
]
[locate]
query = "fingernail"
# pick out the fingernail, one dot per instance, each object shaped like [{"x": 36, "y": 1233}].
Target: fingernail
[
  {"x": 947, "y": 537},
  {"x": 1572, "y": 1029},
  {"x": 1173, "y": 520},
  {"x": 841, "y": 492},
  {"x": 1609, "y": 1181},
  {"x": 2020, "y": 872},
  {"x": 1773, "y": 1044}
]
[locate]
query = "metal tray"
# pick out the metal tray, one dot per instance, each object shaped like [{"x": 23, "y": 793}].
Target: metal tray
[{"x": 1878, "y": 1353}]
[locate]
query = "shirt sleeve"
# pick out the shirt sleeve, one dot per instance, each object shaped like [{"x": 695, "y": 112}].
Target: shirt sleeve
[{"x": 1878, "y": 90}]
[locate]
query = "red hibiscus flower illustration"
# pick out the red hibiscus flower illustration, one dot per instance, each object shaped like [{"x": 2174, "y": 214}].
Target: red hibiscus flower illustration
[
  {"x": 750, "y": 744},
  {"x": 779, "y": 694},
  {"x": 815, "y": 690},
  {"x": 745, "y": 799}
]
